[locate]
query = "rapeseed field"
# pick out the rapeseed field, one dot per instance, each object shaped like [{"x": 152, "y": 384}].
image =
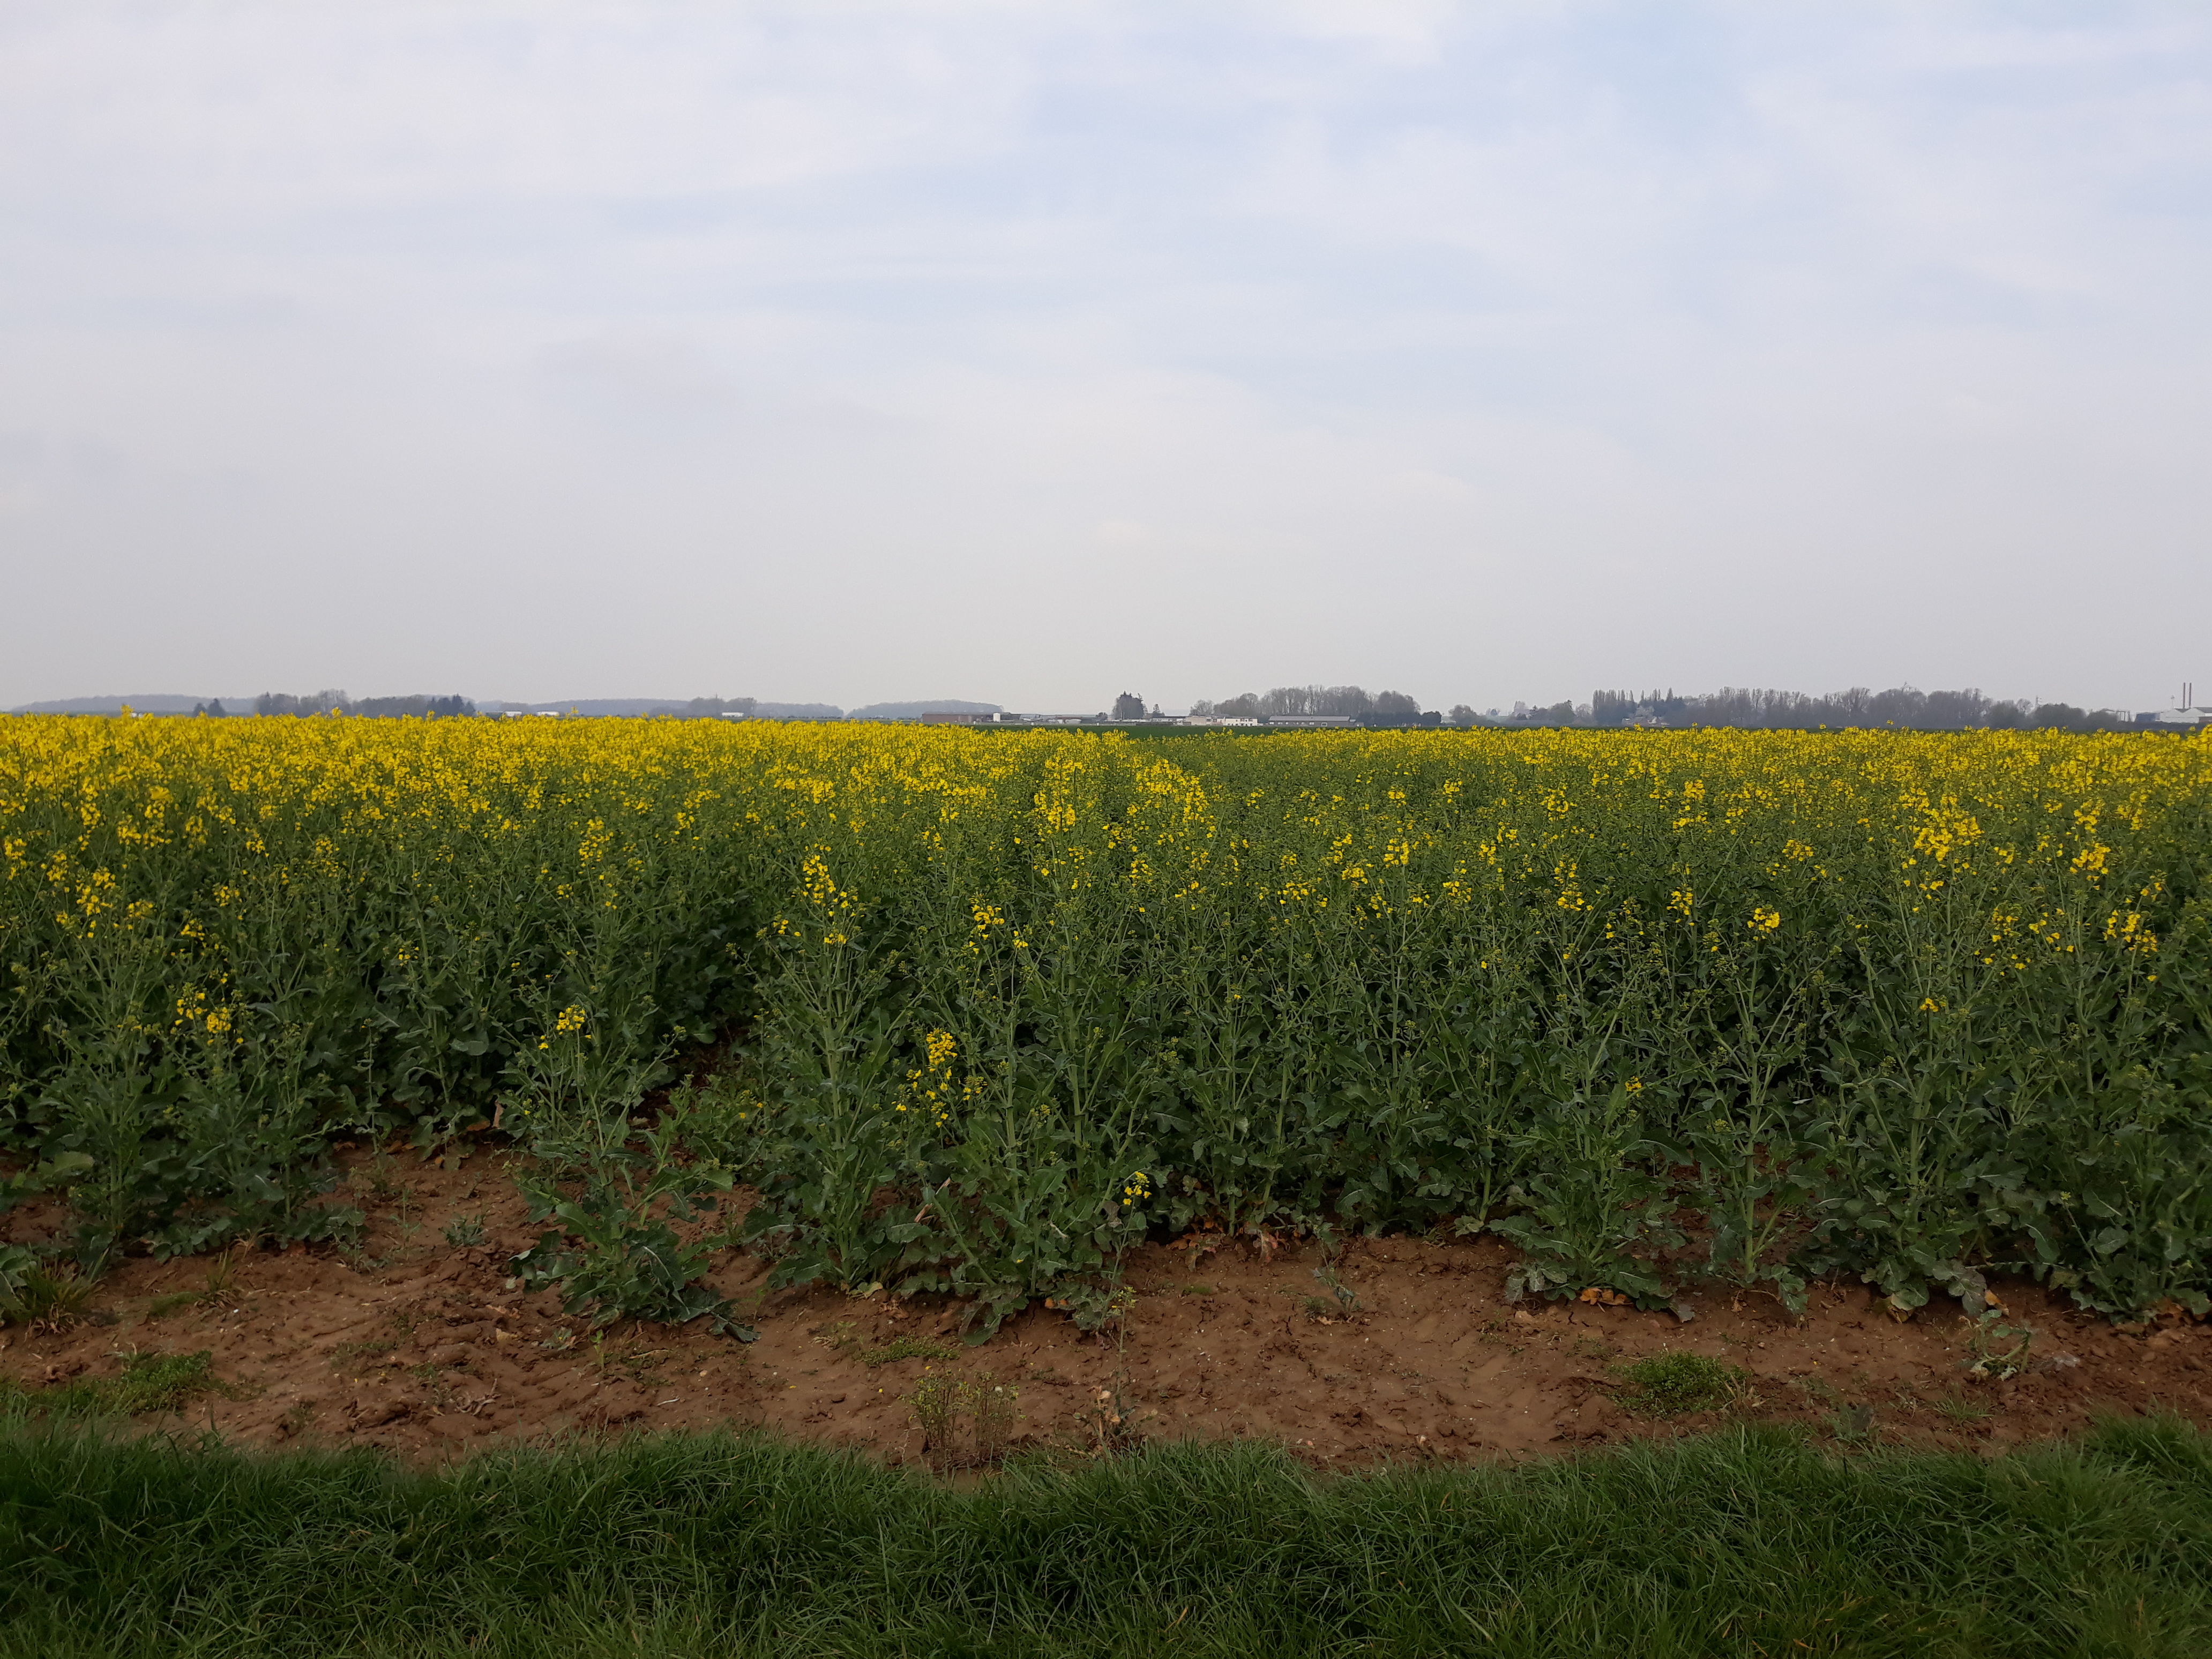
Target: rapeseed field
[{"x": 1654, "y": 1006}]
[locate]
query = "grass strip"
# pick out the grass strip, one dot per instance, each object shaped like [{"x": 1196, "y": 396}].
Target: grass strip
[
  {"x": 1750, "y": 1542},
  {"x": 906, "y": 1347},
  {"x": 148, "y": 1382}
]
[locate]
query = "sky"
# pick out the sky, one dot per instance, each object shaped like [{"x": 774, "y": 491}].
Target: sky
[{"x": 1033, "y": 353}]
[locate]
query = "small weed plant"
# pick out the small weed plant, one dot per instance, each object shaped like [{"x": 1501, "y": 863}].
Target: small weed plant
[
  {"x": 1346, "y": 1299},
  {"x": 1670, "y": 1384},
  {"x": 905, "y": 1347},
  {"x": 965, "y": 1422},
  {"x": 1092, "y": 1306},
  {"x": 1961, "y": 1409},
  {"x": 379, "y": 1177},
  {"x": 993, "y": 1406},
  {"x": 1997, "y": 1349},
  {"x": 937, "y": 1403},
  {"x": 219, "y": 1289},
  {"x": 1853, "y": 1425},
  {"x": 44, "y": 1296},
  {"x": 148, "y": 1382},
  {"x": 1109, "y": 1423}
]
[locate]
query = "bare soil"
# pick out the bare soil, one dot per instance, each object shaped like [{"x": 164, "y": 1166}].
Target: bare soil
[{"x": 413, "y": 1344}]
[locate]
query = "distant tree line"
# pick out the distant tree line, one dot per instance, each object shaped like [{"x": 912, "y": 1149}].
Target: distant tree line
[
  {"x": 1904, "y": 707},
  {"x": 336, "y": 703},
  {"x": 1345, "y": 701},
  {"x": 703, "y": 709}
]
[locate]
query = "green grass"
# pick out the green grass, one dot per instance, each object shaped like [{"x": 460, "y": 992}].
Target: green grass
[
  {"x": 1669, "y": 1383},
  {"x": 906, "y": 1347},
  {"x": 148, "y": 1382},
  {"x": 1744, "y": 1543},
  {"x": 57, "y": 1296}
]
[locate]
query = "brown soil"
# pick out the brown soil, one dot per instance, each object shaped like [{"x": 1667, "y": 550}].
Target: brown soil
[{"x": 422, "y": 1347}]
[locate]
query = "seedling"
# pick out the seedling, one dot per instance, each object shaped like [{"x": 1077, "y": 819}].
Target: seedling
[
  {"x": 1347, "y": 1299},
  {"x": 464, "y": 1232},
  {"x": 1999, "y": 1349},
  {"x": 219, "y": 1289},
  {"x": 381, "y": 1181}
]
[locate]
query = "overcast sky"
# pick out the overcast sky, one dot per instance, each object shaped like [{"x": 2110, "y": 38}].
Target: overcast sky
[{"x": 1035, "y": 353}]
